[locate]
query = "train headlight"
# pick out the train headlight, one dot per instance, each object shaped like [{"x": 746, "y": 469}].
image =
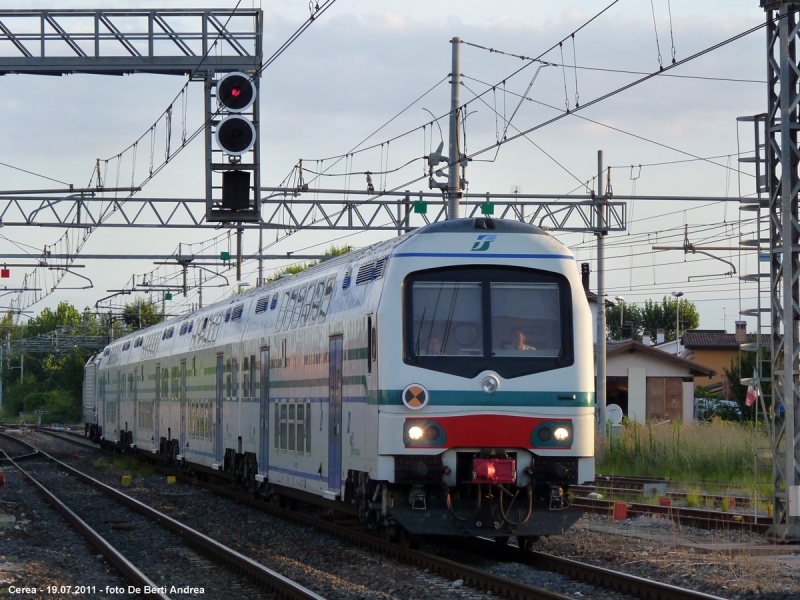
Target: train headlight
[
  {"x": 489, "y": 384},
  {"x": 561, "y": 434},
  {"x": 415, "y": 432}
]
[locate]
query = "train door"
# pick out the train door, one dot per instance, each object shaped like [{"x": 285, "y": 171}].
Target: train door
[
  {"x": 135, "y": 398},
  {"x": 156, "y": 411},
  {"x": 335, "y": 414},
  {"x": 120, "y": 393},
  {"x": 182, "y": 397},
  {"x": 220, "y": 373},
  {"x": 263, "y": 449}
]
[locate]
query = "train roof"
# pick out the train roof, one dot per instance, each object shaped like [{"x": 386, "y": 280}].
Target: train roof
[{"x": 384, "y": 248}]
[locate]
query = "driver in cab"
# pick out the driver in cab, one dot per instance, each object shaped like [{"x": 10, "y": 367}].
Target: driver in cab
[{"x": 518, "y": 341}]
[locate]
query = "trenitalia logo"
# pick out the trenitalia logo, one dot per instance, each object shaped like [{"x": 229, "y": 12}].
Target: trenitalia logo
[{"x": 482, "y": 243}]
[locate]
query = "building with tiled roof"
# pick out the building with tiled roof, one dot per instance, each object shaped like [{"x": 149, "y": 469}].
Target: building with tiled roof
[{"x": 716, "y": 348}]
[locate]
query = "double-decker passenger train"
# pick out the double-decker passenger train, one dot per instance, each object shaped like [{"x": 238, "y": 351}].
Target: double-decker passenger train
[{"x": 439, "y": 383}]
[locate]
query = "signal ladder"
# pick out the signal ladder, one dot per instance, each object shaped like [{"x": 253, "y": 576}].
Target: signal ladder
[{"x": 764, "y": 446}]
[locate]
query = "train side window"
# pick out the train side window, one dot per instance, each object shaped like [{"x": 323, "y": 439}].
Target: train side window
[
  {"x": 283, "y": 436},
  {"x": 301, "y": 427},
  {"x": 287, "y": 319},
  {"x": 282, "y": 311},
  {"x": 306, "y": 305},
  {"x": 369, "y": 345},
  {"x": 315, "y": 301},
  {"x": 253, "y": 375},
  {"x": 308, "y": 427},
  {"x": 276, "y": 435},
  {"x": 292, "y": 426},
  {"x": 235, "y": 377},
  {"x": 246, "y": 377},
  {"x": 298, "y": 307},
  {"x": 326, "y": 299},
  {"x": 228, "y": 378}
]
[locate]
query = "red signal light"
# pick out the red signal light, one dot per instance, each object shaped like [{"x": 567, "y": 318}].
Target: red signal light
[{"x": 236, "y": 92}]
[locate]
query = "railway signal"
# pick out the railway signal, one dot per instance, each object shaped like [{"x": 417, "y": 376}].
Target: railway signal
[{"x": 235, "y": 92}]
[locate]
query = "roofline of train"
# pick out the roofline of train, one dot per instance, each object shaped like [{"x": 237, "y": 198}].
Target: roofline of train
[{"x": 451, "y": 226}]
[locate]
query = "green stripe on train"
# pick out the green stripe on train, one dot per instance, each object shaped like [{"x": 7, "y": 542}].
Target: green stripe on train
[{"x": 480, "y": 398}]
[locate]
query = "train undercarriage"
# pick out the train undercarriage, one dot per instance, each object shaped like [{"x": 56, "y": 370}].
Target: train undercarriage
[{"x": 486, "y": 501}]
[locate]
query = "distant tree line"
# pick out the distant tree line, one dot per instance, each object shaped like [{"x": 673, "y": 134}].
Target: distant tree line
[
  {"x": 651, "y": 317},
  {"x": 53, "y": 382}
]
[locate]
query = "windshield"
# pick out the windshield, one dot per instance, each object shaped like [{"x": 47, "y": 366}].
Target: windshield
[
  {"x": 525, "y": 319},
  {"x": 447, "y": 318},
  {"x": 464, "y": 320}
]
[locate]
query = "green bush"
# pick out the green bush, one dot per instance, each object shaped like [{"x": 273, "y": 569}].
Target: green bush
[{"x": 60, "y": 404}]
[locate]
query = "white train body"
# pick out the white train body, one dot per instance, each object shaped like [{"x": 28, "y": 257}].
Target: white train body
[{"x": 392, "y": 378}]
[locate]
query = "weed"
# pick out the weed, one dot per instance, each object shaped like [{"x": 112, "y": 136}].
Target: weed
[{"x": 718, "y": 450}]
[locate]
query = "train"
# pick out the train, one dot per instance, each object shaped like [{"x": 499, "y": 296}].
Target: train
[{"x": 437, "y": 383}]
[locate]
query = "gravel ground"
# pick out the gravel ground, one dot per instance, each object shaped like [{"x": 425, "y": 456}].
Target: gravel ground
[
  {"x": 38, "y": 548},
  {"x": 336, "y": 570}
]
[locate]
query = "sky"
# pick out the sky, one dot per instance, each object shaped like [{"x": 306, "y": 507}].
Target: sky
[{"x": 362, "y": 63}]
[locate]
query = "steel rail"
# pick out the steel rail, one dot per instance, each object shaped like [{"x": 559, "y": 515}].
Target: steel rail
[
  {"x": 582, "y": 490},
  {"x": 704, "y": 519},
  {"x": 282, "y": 586},
  {"x": 476, "y": 578},
  {"x": 128, "y": 570},
  {"x": 592, "y": 574}
]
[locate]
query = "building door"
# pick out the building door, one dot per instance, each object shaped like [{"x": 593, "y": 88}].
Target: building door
[
  {"x": 263, "y": 448},
  {"x": 665, "y": 398},
  {"x": 182, "y": 397},
  {"x": 218, "y": 417},
  {"x": 335, "y": 414}
]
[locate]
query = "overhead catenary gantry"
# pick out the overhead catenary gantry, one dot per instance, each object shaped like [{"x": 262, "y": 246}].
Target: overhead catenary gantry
[
  {"x": 783, "y": 180},
  {"x": 199, "y": 43}
]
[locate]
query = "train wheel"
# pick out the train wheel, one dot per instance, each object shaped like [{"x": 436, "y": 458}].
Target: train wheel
[{"x": 392, "y": 533}]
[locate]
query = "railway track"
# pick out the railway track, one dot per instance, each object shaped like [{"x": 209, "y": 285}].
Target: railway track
[
  {"x": 154, "y": 538},
  {"x": 475, "y": 578}
]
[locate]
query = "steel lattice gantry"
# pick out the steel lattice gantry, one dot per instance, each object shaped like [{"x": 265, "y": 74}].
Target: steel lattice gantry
[
  {"x": 121, "y": 41},
  {"x": 200, "y": 43},
  {"x": 289, "y": 209},
  {"x": 783, "y": 157}
]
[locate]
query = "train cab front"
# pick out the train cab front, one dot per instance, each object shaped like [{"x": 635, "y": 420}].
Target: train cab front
[
  {"x": 489, "y": 414},
  {"x": 490, "y": 491}
]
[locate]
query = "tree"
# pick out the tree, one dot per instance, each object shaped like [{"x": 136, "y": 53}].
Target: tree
[
  {"x": 744, "y": 369},
  {"x": 299, "y": 268},
  {"x": 50, "y": 381},
  {"x": 142, "y": 312},
  {"x": 652, "y": 317}
]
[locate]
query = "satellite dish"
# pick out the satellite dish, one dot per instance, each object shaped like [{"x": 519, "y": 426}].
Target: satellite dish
[{"x": 614, "y": 413}]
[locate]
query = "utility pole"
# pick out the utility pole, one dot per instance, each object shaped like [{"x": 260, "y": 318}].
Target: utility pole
[
  {"x": 239, "y": 232},
  {"x": 601, "y": 299},
  {"x": 260, "y": 258},
  {"x": 454, "y": 160}
]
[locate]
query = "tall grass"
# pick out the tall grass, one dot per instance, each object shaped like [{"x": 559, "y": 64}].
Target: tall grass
[{"x": 718, "y": 451}]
